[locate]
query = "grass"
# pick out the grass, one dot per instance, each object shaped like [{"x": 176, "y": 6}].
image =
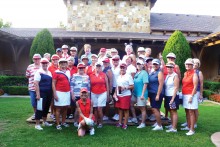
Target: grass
[{"x": 14, "y": 131}]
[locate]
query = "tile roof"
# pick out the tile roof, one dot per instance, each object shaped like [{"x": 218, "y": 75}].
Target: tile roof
[{"x": 184, "y": 22}]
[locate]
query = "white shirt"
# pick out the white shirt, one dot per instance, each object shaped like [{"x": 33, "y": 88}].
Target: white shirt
[
  {"x": 169, "y": 84},
  {"x": 116, "y": 73},
  {"x": 124, "y": 81},
  {"x": 131, "y": 69},
  {"x": 37, "y": 76}
]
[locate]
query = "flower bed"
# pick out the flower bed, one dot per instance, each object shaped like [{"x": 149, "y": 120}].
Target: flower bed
[{"x": 215, "y": 97}]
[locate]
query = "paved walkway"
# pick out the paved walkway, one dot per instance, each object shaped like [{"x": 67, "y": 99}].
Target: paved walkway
[{"x": 216, "y": 139}]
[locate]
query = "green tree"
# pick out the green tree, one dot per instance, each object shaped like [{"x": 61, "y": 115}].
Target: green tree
[
  {"x": 4, "y": 25},
  {"x": 42, "y": 43},
  {"x": 178, "y": 44}
]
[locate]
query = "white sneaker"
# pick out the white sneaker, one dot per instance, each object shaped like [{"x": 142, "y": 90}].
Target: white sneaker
[
  {"x": 92, "y": 131},
  {"x": 115, "y": 117},
  {"x": 171, "y": 130},
  {"x": 185, "y": 129},
  {"x": 134, "y": 120},
  {"x": 105, "y": 118},
  {"x": 184, "y": 124},
  {"x": 33, "y": 117},
  {"x": 168, "y": 127},
  {"x": 76, "y": 124},
  {"x": 46, "y": 124},
  {"x": 129, "y": 120},
  {"x": 71, "y": 116},
  {"x": 154, "y": 125},
  {"x": 142, "y": 125},
  {"x": 190, "y": 133},
  {"x": 65, "y": 125},
  {"x": 38, "y": 127},
  {"x": 157, "y": 128}
]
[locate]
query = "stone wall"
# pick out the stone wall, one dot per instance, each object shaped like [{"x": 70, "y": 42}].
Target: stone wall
[{"x": 121, "y": 16}]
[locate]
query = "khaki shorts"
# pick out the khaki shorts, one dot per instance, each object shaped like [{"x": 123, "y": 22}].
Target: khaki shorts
[{"x": 138, "y": 100}]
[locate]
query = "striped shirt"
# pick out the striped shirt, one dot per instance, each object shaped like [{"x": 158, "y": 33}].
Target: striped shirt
[{"x": 31, "y": 70}]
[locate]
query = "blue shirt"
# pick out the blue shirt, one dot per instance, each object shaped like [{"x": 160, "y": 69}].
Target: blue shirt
[
  {"x": 140, "y": 79},
  {"x": 154, "y": 82}
]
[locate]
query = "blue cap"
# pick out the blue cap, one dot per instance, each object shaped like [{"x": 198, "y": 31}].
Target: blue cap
[
  {"x": 156, "y": 61},
  {"x": 58, "y": 49}
]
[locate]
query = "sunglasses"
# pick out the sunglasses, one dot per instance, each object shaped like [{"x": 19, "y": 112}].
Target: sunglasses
[
  {"x": 169, "y": 67},
  {"x": 98, "y": 65},
  {"x": 44, "y": 63},
  {"x": 115, "y": 60},
  {"x": 81, "y": 68},
  {"x": 73, "y": 50},
  {"x": 155, "y": 64},
  {"x": 138, "y": 64},
  {"x": 122, "y": 67}
]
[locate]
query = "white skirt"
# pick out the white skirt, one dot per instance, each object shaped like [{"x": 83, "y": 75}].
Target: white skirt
[
  {"x": 63, "y": 99},
  {"x": 193, "y": 105}
]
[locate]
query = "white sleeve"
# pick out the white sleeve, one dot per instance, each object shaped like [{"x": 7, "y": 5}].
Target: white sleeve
[
  {"x": 133, "y": 69},
  {"x": 37, "y": 76},
  {"x": 130, "y": 80}
]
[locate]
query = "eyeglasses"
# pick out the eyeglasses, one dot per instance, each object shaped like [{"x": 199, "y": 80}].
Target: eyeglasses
[
  {"x": 98, "y": 65},
  {"x": 155, "y": 64}
]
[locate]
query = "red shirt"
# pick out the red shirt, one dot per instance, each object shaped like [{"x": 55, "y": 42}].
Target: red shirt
[
  {"x": 52, "y": 68},
  {"x": 98, "y": 84},
  {"x": 73, "y": 70},
  {"x": 85, "y": 109},
  {"x": 62, "y": 80},
  {"x": 187, "y": 82},
  {"x": 89, "y": 70}
]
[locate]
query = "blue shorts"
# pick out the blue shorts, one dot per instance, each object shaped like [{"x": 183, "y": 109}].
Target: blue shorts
[
  {"x": 33, "y": 98},
  {"x": 73, "y": 103},
  {"x": 167, "y": 101},
  {"x": 153, "y": 102}
]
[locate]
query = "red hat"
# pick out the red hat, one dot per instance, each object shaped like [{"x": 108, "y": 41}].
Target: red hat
[
  {"x": 83, "y": 90},
  {"x": 103, "y": 50},
  {"x": 106, "y": 60},
  {"x": 44, "y": 60},
  {"x": 80, "y": 65},
  {"x": 55, "y": 57},
  {"x": 123, "y": 65}
]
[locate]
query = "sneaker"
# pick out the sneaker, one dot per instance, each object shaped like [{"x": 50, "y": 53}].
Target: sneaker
[
  {"x": 129, "y": 120},
  {"x": 99, "y": 126},
  {"x": 92, "y": 131},
  {"x": 124, "y": 127},
  {"x": 118, "y": 125},
  {"x": 75, "y": 124},
  {"x": 115, "y": 117},
  {"x": 171, "y": 130},
  {"x": 152, "y": 118},
  {"x": 134, "y": 120},
  {"x": 190, "y": 133},
  {"x": 105, "y": 118},
  {"x": 168, "y": 127},
  {"x": 65, "y": 125},
  {"x": 184, "y": 124},
  {"x": 38, "y": 127},
  {"x": 52, "y": 116},
  {"x": 185, "y": 129},
  {"x": 165, "y": 118},
  {"x": 33, "y": 117},
  {"x": 59, "y": 127},
  {"x": 46, "y": 124},
  {"x": 71, "y": 116},
  {"x": 154, "y": 125},
  {"x": 142, "y": 125},
  {"x": 157, "y": 128}
]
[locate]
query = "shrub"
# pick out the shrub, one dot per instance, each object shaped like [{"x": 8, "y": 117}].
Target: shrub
[
  {"x": 16, "y": 90},
  {"x": 42, "y": 43},
  {"x": 213, "y": 86},
  {"x": 13, "y": 81},
  {"x": 207, "y": 93},
  {"x": 215, "y": 97},
  {"x": 178, "y": 44}
]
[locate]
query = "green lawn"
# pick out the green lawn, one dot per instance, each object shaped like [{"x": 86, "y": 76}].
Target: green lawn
[{"x": 14, "y": 131}]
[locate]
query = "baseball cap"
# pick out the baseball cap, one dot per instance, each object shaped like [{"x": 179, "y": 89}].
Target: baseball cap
[
  {"x": 169, "y": 64},
  {"x": 141, "y": 49},
  {"x": 37, "y": 56},
  {"x": 94, "y": 55},
  {"x": 65, "y": 46},
  {"x": 189, "y": 61},
  {"x": 73, "y": 48},
  {"x": 83, "y": 90},
  {"x": 55, "y": 57},
  {"x": 147, "y": 59},
  {"x": 140, "y": 62},
  {"x": 44, "y": 60},
  {"x": 171, "y": 55},
  {"x": 116, "y": 57},
  {"x": 84, "y": 57},
  {"x": 142, "y": 56},
  {"x": 62, "y": 60},
  {"x": 156, "y": 61},
  {"x": 123, "y": 64},
  {"x": 98, "y": 63},
  {"x": 106, "y": 60},
  {"x": 80, "y": 65},
  {"x": 113, "y": 50},
  {"x": 58, "y": 50}
]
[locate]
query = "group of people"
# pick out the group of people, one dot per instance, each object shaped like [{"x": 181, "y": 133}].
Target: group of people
[{"x": 90, "y": 83}]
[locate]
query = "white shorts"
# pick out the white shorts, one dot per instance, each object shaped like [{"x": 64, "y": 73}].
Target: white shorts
[
  {"x": 138, "y": 100},
  {"x": 99, "y": 100},
  {"x": 193, "y": 105},
  {"x": 63, "y": 99}
]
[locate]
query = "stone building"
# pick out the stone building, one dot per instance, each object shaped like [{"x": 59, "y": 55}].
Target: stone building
[{"x": 113, "y": 23}]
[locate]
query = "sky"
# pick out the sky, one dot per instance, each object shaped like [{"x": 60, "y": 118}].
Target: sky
[{"x": 49, "y": 13}]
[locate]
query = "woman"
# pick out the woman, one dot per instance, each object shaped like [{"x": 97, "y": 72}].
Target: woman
[
  {"x": 171, "y": 98},
  {"x": 43, "y": 88},
  {"x": 61, "y": 92},
  {"x": 78, "y": 81},
  {"x": 85, "y": 109},
  {"x": 99, "y": 92},
  {"x": 129, "y": 52},
  {"x": 71, "y": 67},
  {"x": 102, "y": 54},
  {"x": 190, "y": 98},
  {"x": 91, "y": 68},
  {"x": 125, "y": 84},
  {"x": 156, "y": 92},
  {"x": 140, "y": 93}
]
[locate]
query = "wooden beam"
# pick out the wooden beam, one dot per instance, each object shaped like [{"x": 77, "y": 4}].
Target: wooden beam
[
  {"x": 142, "y": 40},
  {"x": 213, "y": 43},
  {"x": 130, "y": 2}
]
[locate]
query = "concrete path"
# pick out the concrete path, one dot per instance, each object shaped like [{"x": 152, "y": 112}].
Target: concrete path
[{"x": 216, "y": 139}]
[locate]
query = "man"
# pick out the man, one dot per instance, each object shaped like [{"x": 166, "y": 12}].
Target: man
[
  {"x": 59, "y": 52},
  {"x": 65, "y": 49},
  {"x": 31, "y": 69}
]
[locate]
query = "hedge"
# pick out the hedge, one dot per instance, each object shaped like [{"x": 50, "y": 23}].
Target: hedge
[
  {"x": 16, "y": 90},
  {"x": 212, "y": 86},
  {"x": 13, "y": 81},
  {"x": 207, "y": 93}
]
